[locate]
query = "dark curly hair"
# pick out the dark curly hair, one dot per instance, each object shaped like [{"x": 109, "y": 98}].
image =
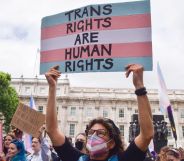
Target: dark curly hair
[{"x": 113, "y": 130}]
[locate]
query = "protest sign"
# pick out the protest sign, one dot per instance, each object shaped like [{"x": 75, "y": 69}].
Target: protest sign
[
  {"x": 97, "y": 38},
  {"x": 28, "y": 120}
]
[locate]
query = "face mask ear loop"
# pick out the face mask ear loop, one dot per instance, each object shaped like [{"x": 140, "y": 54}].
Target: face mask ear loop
[{"x": 108, "y": 141}]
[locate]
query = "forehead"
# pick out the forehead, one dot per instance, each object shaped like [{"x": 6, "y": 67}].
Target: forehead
[
  {"x": 98, "y": 126},
  {"x": 8, "y": 137},
  {"x": 35, "y": 140},
  {"x": 12, "y": 146},
  {"x": 80, "y": 136}
]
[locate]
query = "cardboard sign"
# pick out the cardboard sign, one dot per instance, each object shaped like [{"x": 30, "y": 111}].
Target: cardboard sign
[
  {"x": 97, "y": 38},
  {"x": 28, "y": 120}
]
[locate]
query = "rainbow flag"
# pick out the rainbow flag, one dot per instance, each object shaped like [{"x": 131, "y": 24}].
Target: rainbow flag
[
  {"x": 97, "y": 38},
  {"x": 164, "y": 101}
]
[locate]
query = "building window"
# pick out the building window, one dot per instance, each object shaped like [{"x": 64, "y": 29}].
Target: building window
[
  {"x": 129, "y": 109},
  {"x": 182, "y": 113},
  {"x": 121, "y": 113},
  {"x": 27, "y": 89},
  {"x": 105, "y": 112},
  {"x": 121, "y": 128},
  {"x": 40, "y": 109},
  {"x": 72, "y": 111},
  {"x": 153, "y": 110},
  {"x": 42, "y": 90},
  {"x": 57, "y": 108},
  {"x": 72, "y": 130},
  {"x": 136, "y": 111},
  {"x": 58, "y": 91},
  {"x": 89, "y": 112},
  {"x": 183, "y": 131}
]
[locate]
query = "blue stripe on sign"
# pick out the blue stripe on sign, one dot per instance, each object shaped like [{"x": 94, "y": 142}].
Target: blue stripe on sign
[
  {"x": 118, "y": 65},
  {"x": 118, "y": 9}
]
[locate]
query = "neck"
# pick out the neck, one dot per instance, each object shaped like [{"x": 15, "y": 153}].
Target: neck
[
  {"x": 101, "y": 157},
  {"x": 36, "y": 152}
]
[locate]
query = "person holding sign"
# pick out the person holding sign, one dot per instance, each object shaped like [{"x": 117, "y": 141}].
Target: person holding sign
[{"x": 103, "y": 137}]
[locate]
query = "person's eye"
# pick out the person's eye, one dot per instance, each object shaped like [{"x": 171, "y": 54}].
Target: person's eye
[{"x": 101, "y": 133}]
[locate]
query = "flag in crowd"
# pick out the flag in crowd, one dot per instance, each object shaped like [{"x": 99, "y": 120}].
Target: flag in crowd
[
  {"x": 164, "y": 102},
  {"x": 32, "y": 103},
  {"x": 27, "y": 137}
]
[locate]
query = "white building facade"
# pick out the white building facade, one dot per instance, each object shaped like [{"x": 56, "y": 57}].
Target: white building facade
[{"x": 77, "y": 105}]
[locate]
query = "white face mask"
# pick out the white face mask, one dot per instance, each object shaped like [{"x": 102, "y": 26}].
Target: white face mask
[{"x": 97, "y": 146}]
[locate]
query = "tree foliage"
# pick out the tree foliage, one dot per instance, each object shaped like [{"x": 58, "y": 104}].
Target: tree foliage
[{"x": 8, "y": 99}]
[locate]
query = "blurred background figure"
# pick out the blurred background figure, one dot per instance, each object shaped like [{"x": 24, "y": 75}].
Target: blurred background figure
[
  {"x": 54, "y": 156},
  {"x": 169, "y": 154},
  {"x": 16, "y": 151},
  {"x": 181, "y": 150},
  {"x": 18, "y": 133},
  {"x": 6, "y": 142},
  {"x": 70, "y": 140},
  {"x": 2, "y": 156},
  {"x": 40, "y": 147},
  {"x": 80, "y": 142}
]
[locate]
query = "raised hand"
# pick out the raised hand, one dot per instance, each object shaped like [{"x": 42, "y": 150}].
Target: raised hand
[
  {"x": 137, "y": 71},
  {"x": 52, "y": 76}
]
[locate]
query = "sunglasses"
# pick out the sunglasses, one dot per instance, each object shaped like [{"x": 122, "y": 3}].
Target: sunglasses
[{"x": 100, "y": 132}]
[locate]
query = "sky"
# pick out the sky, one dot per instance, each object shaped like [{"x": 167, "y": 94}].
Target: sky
[{"x": 20, "y": 23}]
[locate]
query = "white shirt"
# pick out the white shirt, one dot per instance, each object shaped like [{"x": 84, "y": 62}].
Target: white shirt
[{"x": 35, "y": 157}]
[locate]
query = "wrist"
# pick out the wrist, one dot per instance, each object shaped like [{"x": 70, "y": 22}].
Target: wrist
[
  {"x": 52, "y": 88},
  {"x": 139, "y": 85}
]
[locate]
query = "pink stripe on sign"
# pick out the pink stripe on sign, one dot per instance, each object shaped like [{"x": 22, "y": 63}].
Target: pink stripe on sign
[
  {"x": 111, "y": 23},
  {"x": 143, "y": 49}
]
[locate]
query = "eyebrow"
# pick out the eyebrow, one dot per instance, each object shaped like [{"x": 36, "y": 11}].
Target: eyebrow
[{"x": 97, "y": 129}]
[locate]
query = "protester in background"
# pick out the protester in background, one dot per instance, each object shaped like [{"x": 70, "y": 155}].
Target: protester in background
[
  {"x": 181, "y": 150},
  {"x": 18, "y": 133},
  {"x": 169, "y": 154},
  {"x": 7, "y": 140},
  {"x": 80, "y": 142},
  {"x": 41, "y": 148},
  {"x": 16, "y": 151},
  {"x": 104, "y": 141},
  {"x": 70, "y": 140},
  {"x": 54, "y": 156},
  {"x": 2, "y": 156}
]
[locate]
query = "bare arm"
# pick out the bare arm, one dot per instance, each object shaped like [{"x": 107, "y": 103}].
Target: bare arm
[
  {"x": 55, "y": 135},
  {"x": 145, "y": 116}
]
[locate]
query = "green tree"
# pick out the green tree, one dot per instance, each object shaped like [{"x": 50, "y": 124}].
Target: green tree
[{"x": 8, "y": 99}]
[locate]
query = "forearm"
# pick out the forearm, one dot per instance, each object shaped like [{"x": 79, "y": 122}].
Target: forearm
[
  {"x": 55, "y": 135},
  {"x": 145, "y": 117},
  {"x": 51, "y": 113}
]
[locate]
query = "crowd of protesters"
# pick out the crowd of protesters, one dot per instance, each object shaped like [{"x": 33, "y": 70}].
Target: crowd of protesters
[
  {"x": 14, "y": 150},
  {"x": 101, "y": 141}
]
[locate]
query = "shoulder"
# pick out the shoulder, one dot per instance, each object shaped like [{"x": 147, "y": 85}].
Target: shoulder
[
  {"x": 64, "y": 152},
  {"x": 132, "y": 153}
]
